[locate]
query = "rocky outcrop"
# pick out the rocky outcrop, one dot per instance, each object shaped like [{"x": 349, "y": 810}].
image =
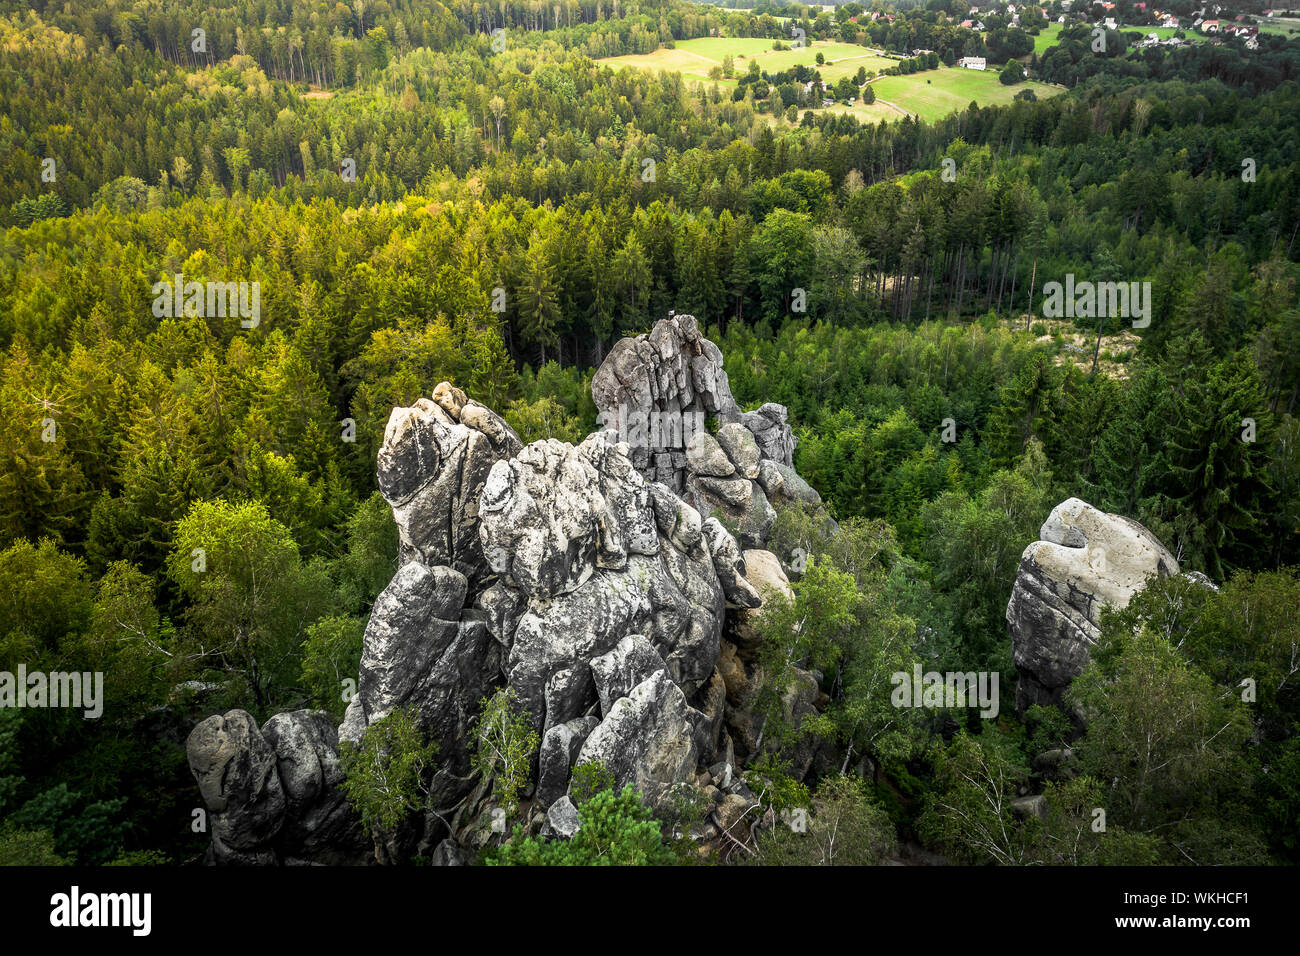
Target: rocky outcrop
[
  {"x": 272, "y": 795},
  {"x": 432, "y": 465},
  {"x": 655, "y": 392},
  {"x": 596, "y": 581},
  {"x": 1086, "y": 560}
]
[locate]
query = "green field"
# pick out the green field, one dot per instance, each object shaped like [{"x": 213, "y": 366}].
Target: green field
[
  {"x": 1047, "y": 37},
  {"x": 1281, "y": 27},
  {"x": 695, "y": 58},
  {"x": 949, "y": 89}
]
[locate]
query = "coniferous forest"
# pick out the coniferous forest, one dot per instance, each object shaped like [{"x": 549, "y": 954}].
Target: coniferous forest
[{"x": 387, "y": 195}]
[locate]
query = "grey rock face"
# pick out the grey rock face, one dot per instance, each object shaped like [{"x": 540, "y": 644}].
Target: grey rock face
[
  {"x": 1086, "y": 560},
  {"x": 594, "y": 554},
  {"x": 319, "y": 826},
  {"x": 648, "y": 739},
  {"x": 784, "y": 486},
  {"x": 413, "y": 621},
  {"x": 423, "y": 649},
  {"x": 434, "y": 460},
  {"x": 741, "y": 501},
  {"x": 741, "y": 449},
  {"x": 559, "y": 750},
  {"x": 774, "y": 437},
  {"x": 675, "y": 373},
  {"x": 631, "y": 661},
  {"x": 704, "y": 456},
  {"x": 238, "y": 777},
  {"x": 542, "y": 519},
  {"x": 729, "y": 563}
]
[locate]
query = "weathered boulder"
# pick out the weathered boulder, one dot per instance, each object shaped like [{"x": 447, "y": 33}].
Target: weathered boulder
[
  {"x": 411, "y": 624},
  {"x": 740, "y": 500},
  {"x": 729, "y": 563},
  {"x": 741, "y": 448},
  {"x": 1086, "y": 560},
  {"x": 648, "y": 738},
  {"x": 423, "y": 649},
  {"x": 306, "y": 750},
  {"x": 704, "y": 456},
  {"x": 562, "y": 820},
  {"x": 320, "y": 826},
  {"x": 765, "y": 575},
  {"x": 783, "y": 485},
  {"x": 1032, "y": 806},
  {"x": 238, "y": 777}
]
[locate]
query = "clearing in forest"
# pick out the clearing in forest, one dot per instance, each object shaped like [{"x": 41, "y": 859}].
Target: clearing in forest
[
  {"x": 949, "y": 89},
  {"x": 695, "y": 58}
]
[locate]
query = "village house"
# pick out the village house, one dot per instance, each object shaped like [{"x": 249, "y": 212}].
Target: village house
[{"x": 971, "y": 63}]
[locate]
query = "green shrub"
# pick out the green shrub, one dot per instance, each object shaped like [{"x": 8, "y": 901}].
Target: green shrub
[
  {"x": 616, "y": 830},
  {"x": 386, "y": 776}
]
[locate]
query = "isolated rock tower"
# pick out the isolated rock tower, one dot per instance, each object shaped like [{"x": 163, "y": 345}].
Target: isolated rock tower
[{"x": 597, "y": 581}]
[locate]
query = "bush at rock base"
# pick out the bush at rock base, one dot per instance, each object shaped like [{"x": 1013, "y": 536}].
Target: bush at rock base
[{"x": 616, "y": 830}]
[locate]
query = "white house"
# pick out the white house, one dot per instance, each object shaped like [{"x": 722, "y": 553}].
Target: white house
[
  {"x": 1210, "y": 26},
  {"x": 971, "y": 62},
  {"x": 1109, "y": 23}
]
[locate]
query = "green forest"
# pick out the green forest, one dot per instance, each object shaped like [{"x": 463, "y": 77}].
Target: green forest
[{"x": 460, "y": 192}]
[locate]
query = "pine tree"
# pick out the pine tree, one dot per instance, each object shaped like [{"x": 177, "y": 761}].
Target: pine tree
[{"x": 1217, "y": 449}]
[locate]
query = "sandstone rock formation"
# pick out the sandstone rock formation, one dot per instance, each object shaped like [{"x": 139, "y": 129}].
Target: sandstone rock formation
[
  {"x": 656, "y": 390},
  {"x": 596, "y": 581},
  {"x": 1086, "y": 560}
]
